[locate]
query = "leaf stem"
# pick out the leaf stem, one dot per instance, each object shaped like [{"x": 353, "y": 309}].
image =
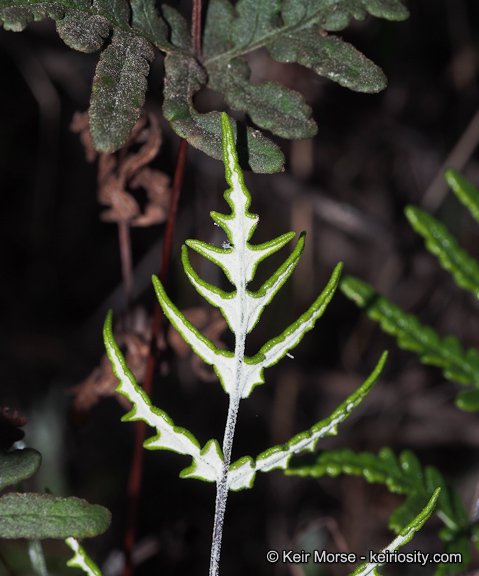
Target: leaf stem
[
  {"x": 222, "y": 486},
  {"x": 37, "y": 559},
  {"x": 124, "y": 240},
  {"x": 196, "y": 29}
]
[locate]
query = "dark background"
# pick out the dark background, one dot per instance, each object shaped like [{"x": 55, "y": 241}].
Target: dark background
[{"x": 60, "y": 268}]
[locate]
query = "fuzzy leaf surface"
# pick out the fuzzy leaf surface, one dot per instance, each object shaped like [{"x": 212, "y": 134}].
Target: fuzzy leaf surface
[
  {"x": 243, "y": 472},
  {"x": 85, "y": 24},
  {"x": 118, "y": 91},
  {"x": 37, "y": 516},
  {"x": 270, "y": 105},
  {"x": 458, "y": 365},
  {"x": 464, "y": 268},
  {"x": 119, "y": 85},
  {"x": 291, "y": 31},
  {"x": 18, "y": 465},
  {"x": 184, "y": 78},
  {"x": 331, "y": 57}
]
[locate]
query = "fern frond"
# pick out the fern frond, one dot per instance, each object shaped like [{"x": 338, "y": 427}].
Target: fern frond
[
  {"x": 457, "y": 365},
  {"x": 402, "y": 475},
  {"x": 442, "y": 244}
]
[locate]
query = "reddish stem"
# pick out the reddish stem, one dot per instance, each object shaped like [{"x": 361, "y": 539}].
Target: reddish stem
[
  {"x": 136, "y": 471},
  {"x": 196, "y": 29},
  {"x": 126, "y": 261}
]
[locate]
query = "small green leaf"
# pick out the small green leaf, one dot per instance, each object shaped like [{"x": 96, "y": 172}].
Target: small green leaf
[
  {"x": 458, "y": 365},
  {"x": 468, "y": 400},
  {"x": 147, "y": 23},
  {"x": 402, "y": 475},
  {"x": 119, "y": 90},
  {"x": 331, "y": 57},
  {"x": 467, "y": 193},
  {"x": 439, "y": 242},
  {"x": 18, "y": 465},
  {"x": 184, "y": 77},
  {"x": 38, "y": 516}
]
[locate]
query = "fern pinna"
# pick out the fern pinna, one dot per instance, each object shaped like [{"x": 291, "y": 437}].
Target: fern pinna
[
  {"x": 458, "y": 365},
  {"x": 401, "y": 475},
  {"x": 238, "y": 373}
]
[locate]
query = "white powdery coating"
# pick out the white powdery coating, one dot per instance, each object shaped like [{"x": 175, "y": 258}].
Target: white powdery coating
[
  {"x": 80, "y": 558},
  {"x": 208, "y": 465}
]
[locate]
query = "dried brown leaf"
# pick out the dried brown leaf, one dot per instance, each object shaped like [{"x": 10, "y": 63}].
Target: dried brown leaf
[{"x": 126, "y": 170}]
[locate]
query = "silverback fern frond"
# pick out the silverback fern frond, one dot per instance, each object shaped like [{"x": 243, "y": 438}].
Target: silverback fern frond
[{"x": 238, "y": 373}]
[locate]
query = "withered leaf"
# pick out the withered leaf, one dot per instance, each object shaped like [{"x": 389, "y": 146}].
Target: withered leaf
[{"x": 122, "y": 172}]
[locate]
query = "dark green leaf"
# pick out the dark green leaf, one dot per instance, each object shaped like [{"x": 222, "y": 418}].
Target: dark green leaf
[
  {"x": 15, "y": 16},
  {"x": 85, "y": 34},
  {"x": 18, "y": 465},
  {"x": 119, "y": 90},
  {"x": 441, "y": 243},
  {"x": 117, "y": 11},
  {"x": 270, "y": 105},
  {"x": 468, "y": 400},
  {"x": 255, "y": 22},
  {"x": 458, "y": 365},
  {"x": 467, "y": 193},
  {"x": 402, "y": 475},
  {"x": 179, "y": 33},
  {"x": 38, "y": 516},
  {"x": 329, "y": 56},
  {"x": 147, "y": 23},
  {"x": 217, "y": 28},
  {"x": 184, "y": 77},
  {"x": 337, "y": 15},
  {"x": 292, "y": 31}
]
